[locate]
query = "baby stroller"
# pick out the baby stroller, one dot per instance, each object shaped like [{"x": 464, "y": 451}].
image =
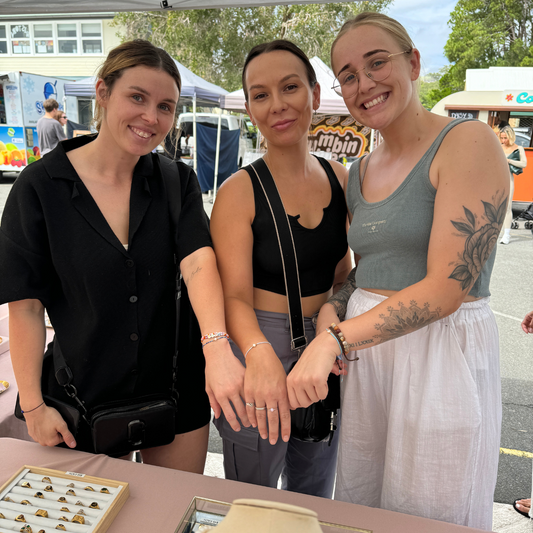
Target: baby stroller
[{"x": 526, "y": 215}]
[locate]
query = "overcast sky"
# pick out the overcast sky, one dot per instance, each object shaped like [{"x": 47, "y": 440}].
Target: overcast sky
[{"x": 427, "y": 24}]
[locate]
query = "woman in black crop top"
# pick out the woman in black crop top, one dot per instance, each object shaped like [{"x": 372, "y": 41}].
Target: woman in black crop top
[
  {"x": 281, "y": 93},
  {"x": 421, "y": 399}
]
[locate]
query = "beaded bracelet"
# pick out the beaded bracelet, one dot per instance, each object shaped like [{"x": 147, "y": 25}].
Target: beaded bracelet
[
  {"x": 254, "y": 345},
  {"x": 213, "y": 335},
  {"x": 214, "y": 340},
  {"x": 340, "y": 336}
]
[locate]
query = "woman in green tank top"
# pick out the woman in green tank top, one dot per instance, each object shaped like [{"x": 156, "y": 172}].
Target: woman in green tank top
[{"x": 421, "y": 409}]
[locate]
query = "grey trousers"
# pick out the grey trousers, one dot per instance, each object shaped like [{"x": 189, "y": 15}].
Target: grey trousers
[{"x": 305, "y": 467}]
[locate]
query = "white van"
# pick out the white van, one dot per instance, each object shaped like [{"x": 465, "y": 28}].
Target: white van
[{"x": 228, "y": 122}]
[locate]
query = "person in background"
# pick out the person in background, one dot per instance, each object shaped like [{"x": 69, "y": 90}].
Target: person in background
[
  {"x": 49, "y": 130},
  {"x": 281, "y": 94},
  {"x": 421, "y": 401},
  {"x": 87, "y": 233},
  {"x": 516, "y": 157},
  {"x": 62, "y": 119}
]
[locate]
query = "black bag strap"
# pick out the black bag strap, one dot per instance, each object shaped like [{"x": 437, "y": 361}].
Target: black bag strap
[
  {"x": 171, "y": 180},
  {"x": 287, "y": 250}
]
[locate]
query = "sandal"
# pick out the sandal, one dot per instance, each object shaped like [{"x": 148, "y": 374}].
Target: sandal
[{"x": 518, "y": 510}]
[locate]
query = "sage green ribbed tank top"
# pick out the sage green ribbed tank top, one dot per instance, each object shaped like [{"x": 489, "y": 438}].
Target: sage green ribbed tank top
[{"x": 392, "y": 236}]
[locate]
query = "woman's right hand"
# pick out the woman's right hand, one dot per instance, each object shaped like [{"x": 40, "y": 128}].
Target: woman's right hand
[
  {"x": 47, "y": 427},
  {"x": 265, "y": 385},
  {"x": 224, "y": 383}
]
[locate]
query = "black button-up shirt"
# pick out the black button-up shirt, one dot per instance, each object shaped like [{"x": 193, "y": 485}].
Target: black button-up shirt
[{"x": 112, "y": 309}]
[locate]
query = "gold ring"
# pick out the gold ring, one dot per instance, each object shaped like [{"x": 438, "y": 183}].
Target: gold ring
[
  {"x": 65, "y": 509},
  {"x": 260, "y": 408},
  {"x": 41, "y": 512},
  {"x": 62, "y": 499},
  {"x": 26, "y": 529},
  {"x": 94, "y": 505},
  {"x": 80, "y": 503},
  {"x": 81, "y": 511},
  {"x": 41, "y": 531},
  {"x": 70, "y": 492},
  {"x": 46, "y": 479},
  {"x": 38, "y": 495},
  {"x": 2, "y": 516},
  {"x": 64, "y": 518},
  {"x": 20, "y": 518},
  {"x": 8, "y": 499},
  {"x": 26, "y": 485},
  {"x": 4, "y": 385},
  {"x": 89, "y": 488},
  {"x": 250, "y": 404},
  {"x": 25, "y": 502},
  {"x": 105, "y": 491},
  {"x": 79, "y": 519},
  {"x": 49, "y": 488},
  {"x": 61, "y": 527},
  {"x": 70, "y": 485}
]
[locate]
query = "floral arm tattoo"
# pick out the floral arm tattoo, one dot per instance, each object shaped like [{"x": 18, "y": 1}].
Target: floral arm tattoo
[
  {"x": 340, "y": 299},
  {"x": 481, "y": 237}
]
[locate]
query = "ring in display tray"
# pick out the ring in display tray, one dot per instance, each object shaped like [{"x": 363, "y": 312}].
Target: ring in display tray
[
  {"x": 43, "y": 500},
  {"x": 203, "y": 515}
]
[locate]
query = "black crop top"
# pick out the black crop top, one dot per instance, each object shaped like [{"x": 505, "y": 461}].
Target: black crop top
[{"x": 318, "y": 250}]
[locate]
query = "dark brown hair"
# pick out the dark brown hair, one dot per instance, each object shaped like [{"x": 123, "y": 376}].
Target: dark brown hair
[
  {"x": 134, "y": 54},
  {"x": 285, "y": 46}
]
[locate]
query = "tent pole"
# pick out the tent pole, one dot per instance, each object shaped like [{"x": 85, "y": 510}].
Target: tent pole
[
  {"x": 217, "y": 155},
  {"x": 371, "y": 147},
  {"x": 195, "y": 164}
]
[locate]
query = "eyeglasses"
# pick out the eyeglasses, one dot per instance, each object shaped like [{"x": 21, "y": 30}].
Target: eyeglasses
[
  {"x": 64, "y": 117},
  {"x": 377, "y": 68}
]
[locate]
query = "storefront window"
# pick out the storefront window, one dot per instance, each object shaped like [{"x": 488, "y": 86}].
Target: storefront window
[
  {"x": 3, "y": 40},
  {"x": 67, "y": 46},
  {"x": 43, "y": 38},
  {"x": 20, "y": 39}
]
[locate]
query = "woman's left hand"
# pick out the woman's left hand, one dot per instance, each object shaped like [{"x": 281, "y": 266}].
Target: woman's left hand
[{"x": 307, "y": 382}]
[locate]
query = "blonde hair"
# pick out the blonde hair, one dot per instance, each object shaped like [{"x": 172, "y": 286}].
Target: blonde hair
[
  {"x": 391, "y": 26},
  {"x": 511, "y": 135},
  {"x": 133, "y": 54}
]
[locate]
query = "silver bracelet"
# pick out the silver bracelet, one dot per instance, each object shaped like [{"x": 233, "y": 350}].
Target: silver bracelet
[{"x": 254, "y": 345}]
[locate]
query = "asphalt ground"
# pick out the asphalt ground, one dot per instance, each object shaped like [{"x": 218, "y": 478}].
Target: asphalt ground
[{"x": 512, "y": 298}]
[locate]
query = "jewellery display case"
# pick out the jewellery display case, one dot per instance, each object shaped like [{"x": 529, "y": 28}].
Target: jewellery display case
[
  {"x": 203, "y": 515},
  {"x": 42, "y": 500}
]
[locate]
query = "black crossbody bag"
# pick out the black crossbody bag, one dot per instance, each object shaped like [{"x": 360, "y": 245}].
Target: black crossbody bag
[
  {"x": 118, "y": 428},
  {"x": 318, "y": 422}
]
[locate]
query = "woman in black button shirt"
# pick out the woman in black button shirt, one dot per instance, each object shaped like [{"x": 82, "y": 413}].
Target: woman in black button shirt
[{"x": 86, "y": 233}]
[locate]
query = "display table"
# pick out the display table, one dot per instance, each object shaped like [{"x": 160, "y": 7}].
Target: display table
[{"x": 159, "y": 497}]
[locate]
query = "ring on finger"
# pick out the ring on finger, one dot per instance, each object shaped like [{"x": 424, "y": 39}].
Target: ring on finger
[
  {"x": 250, "y": 404},
  {"x": 272, "y": 409},
  {"x": 260, "y": 408}
]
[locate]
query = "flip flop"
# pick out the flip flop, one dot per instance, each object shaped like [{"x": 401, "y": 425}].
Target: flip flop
[{"x": 518, "y": 510}]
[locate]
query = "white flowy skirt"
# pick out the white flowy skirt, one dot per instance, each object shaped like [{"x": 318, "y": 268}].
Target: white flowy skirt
[{"x": 421, "y": 418}]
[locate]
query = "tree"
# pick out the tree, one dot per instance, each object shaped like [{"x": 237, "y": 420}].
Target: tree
[
  {"x": 487, "y": 33},
  {"x": 213, "y": 43},
  {"x": 429, "y": 91}
]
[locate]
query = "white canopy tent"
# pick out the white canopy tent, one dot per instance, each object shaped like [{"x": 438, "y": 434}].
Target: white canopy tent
[
  {"x": 330, "y": 102},
  {"x": 30, "y": 7}
]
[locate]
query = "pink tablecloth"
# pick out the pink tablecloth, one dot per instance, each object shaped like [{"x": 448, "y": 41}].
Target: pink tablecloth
[{"x": 159, "y": 497}]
